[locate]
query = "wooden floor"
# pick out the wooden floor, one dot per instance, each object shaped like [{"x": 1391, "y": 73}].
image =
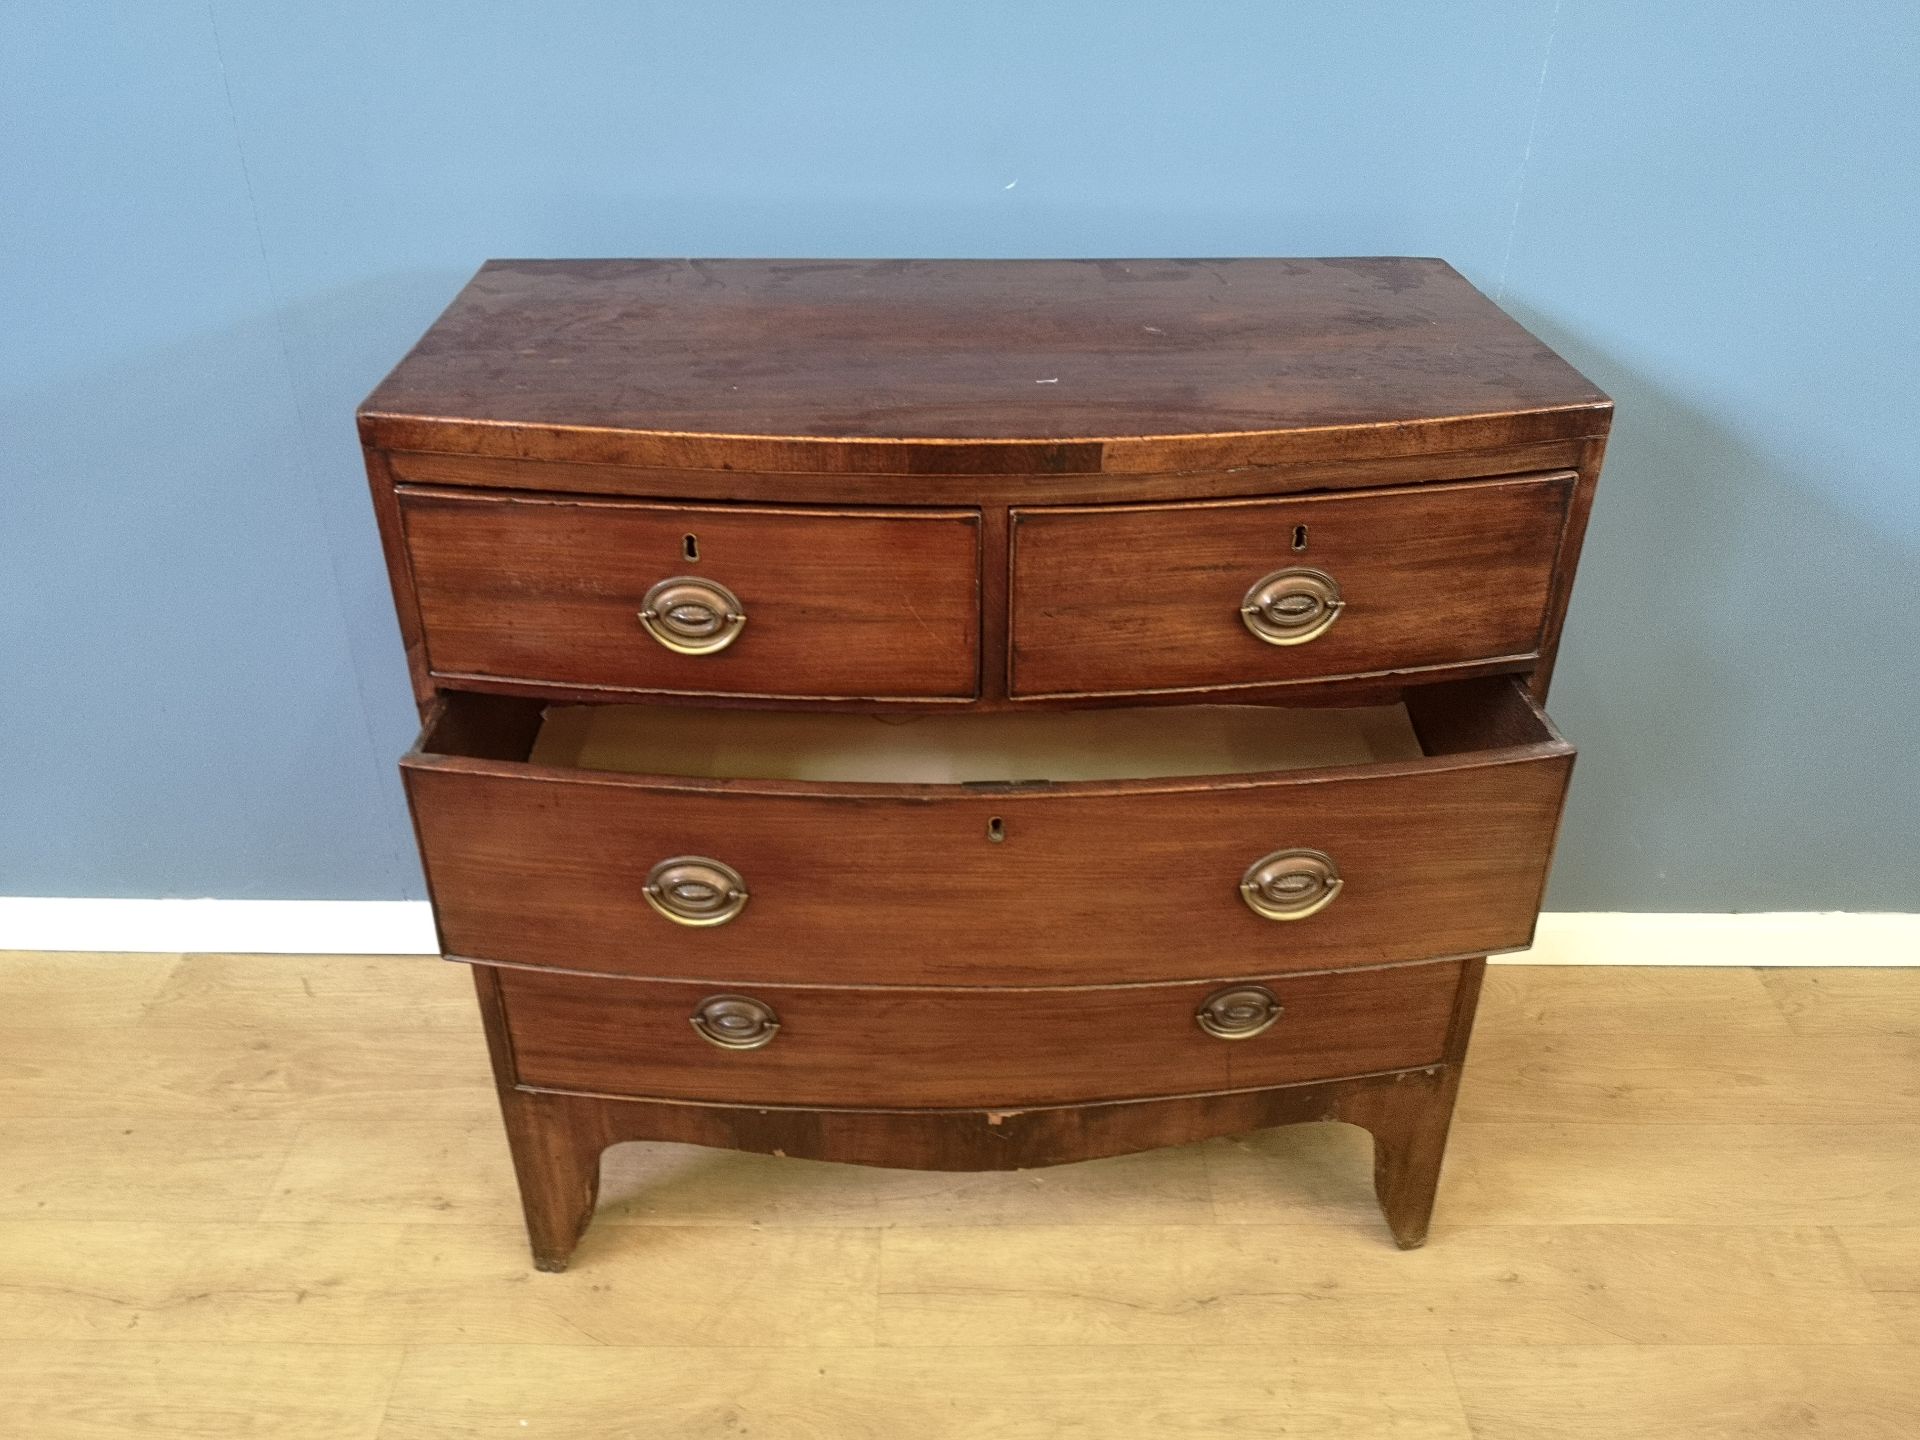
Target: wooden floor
[{"x": 269, "y": 1197}]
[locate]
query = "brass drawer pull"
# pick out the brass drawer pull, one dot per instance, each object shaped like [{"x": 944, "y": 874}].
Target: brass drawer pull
[
  {"x": 693, "y": 890},
  {"x": 1292, "y": 606},
  {"x": 691, "y": 616},
  {"x": 1239, "y": 1013},
  {"x": 1290, "y": 884},
  {"x": 735, "y": 1022}
]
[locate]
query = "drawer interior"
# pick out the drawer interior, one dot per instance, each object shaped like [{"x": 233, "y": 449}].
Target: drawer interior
[
  {"x": 1002, "y": 748},
  {"x": 991, "y": 748}
]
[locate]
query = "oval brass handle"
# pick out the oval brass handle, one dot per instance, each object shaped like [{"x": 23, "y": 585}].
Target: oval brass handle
[
  {"x": 735, "y": 1022},
  {"x": 1292, "y": 606},
  {"x": 1290, "y": 884},
  {"x": 1239, "y": 1013},
  {"x": 691, "y": 616},
  {"x": 694, "y": 890}
]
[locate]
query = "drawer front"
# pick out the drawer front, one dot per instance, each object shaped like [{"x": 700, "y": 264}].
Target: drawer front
[
  {"x": 836, "y": 605},
  {"x": 1073, "y": 884},
  {"x": 1152, "y": 598},
  {"x": 939, "y": 1048}
]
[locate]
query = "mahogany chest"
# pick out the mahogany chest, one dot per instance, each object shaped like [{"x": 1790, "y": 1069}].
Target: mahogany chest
[{"x": 979, "y": 714}]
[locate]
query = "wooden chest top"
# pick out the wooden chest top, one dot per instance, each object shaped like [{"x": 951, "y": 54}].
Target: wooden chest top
[{"x": 983, "y": 367}]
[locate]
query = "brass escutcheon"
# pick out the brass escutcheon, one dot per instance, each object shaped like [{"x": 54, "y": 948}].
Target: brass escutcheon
[
  {"x": 1290, "y": 884},
  {"x": 735, "y": 1022},
  {"x": 691, "y": 616},
  {"x": 694, "y": 890},
  {"x": 1239, "y": 1013},
  {"x": 1292, "y": 606}
]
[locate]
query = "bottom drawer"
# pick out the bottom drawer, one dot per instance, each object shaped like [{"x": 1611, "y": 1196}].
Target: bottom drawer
[{"x": 963, "y": 1047}]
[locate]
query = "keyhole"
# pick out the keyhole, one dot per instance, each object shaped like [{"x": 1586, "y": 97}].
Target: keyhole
[
  {"x": 690, "y": 546},
  {"x": 1299, "y": 537},
  {"x": 996, "y": 830}
]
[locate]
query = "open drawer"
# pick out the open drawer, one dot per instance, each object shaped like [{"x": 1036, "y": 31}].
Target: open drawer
[{"x": 1104, "y": 847}]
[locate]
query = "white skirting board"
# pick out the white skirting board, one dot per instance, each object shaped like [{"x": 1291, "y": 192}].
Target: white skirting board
[
  {"x": 405, "y": 927},
  {"x": 235, "y": 927}
]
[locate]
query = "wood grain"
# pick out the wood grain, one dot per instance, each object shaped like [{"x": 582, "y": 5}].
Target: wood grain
[
  {"x": 1691, "y": 1392},
  {"x": 843, "y": 604},
  {"x": 1757, "y": 1173},
  {"x": 1687, "y": 1079},
  {"x": 89, "y": 1391},
  {"x": 75, "y": 989},
  {"x": 192, "y": 1273},
  {"x": 558, "y": 1138},
  {"x": 673, "y": 1185},
  {"x": 852, "y": 487},
  {"x": 1112, "y": 600},
  {"x": 1284, "y": 1285},
  {"x": 1094, "y": 883},
  {"x": 952, "y": 1393},
  {"x": 907, "y": 1047},
  {"x": 136, "y": 1165},
  {"x": 1846, "y": 1002},
  {"x": 1887, "y": 1259},
  {"x": 166, "y": 1071},
  {"x": 393, "y": 1171},
  {"x": 1573, "y": 537},
  {"x": 372, "y": 1283},
  {"x": 1035, "y": 366},
  {"x": 389, "y": 1168},
  {"x": 1887, "y": 1256},
  {"x": 1627, "y": 1000},
  {"x": 393, "y": 548},
  {"x": 296, "y": 993},
  {"x": 570, "y": 433},
  {"x": 1576, "y": 1174}
]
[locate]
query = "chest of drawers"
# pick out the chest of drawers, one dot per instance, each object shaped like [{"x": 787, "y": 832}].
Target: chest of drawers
[{"x": 976, "y": 715}]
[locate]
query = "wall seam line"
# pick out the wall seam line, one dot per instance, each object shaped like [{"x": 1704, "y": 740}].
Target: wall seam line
[{"x": 1526, "y": 155}]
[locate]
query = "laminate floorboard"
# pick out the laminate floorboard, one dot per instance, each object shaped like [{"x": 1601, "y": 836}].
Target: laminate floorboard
[{"x": 268, "y": 1195}]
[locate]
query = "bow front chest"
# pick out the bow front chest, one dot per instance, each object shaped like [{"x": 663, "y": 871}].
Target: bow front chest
[{"x": 979, "y": 714}]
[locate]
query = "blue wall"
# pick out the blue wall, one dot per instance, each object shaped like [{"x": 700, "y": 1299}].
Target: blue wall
[{"x": 222, "y": 223}]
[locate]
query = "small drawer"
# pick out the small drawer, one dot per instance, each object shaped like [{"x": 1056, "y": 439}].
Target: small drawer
[
  {"x": 1072, "y": 847},
  {"x": 624, "y": 596},
  {"x": 904, "y": 1047},
  {"x": 1245, "y": 594}
]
